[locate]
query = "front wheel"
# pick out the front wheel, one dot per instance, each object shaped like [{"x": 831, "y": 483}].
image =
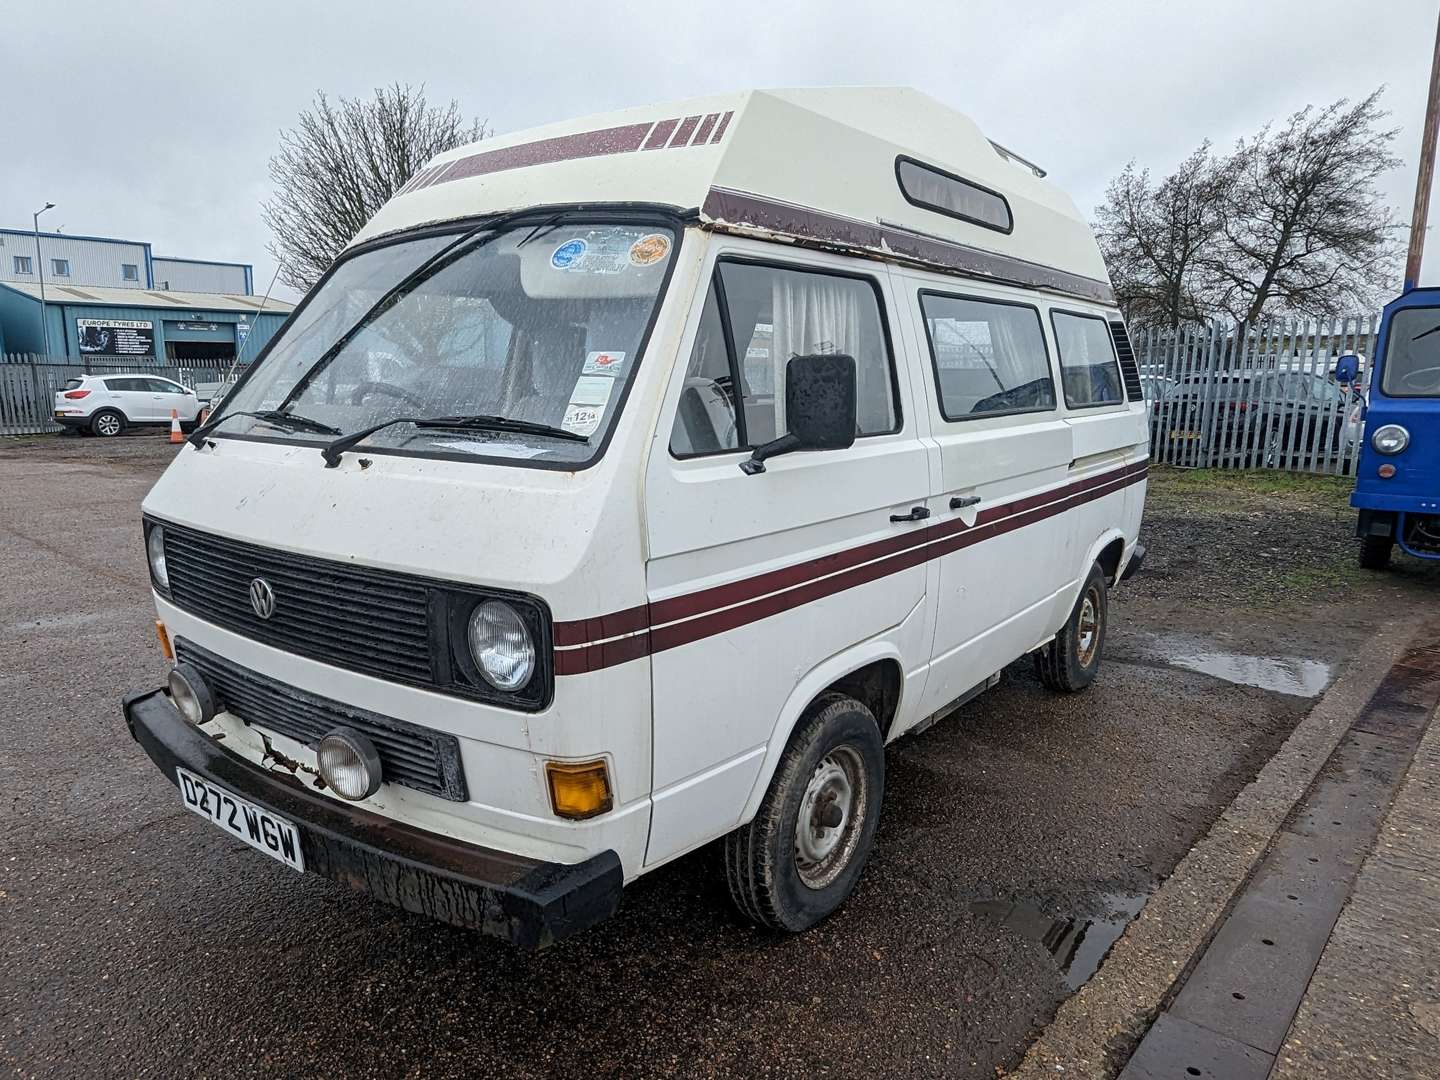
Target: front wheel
[
  {"x": 1375, "y": 552},
  {"x": 1071, "y": 661},
  {"x": 800, "y": 857}
]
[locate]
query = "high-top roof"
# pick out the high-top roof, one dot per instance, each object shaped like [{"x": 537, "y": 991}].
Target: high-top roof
[{"x": 821, "y": 165}]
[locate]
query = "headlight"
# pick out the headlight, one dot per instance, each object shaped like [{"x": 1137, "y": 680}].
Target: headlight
[
  {"x": 1390, "y": 439},
  {"x": 155, "y": 551},
  {"x": 349, "y": 763},
  {"x": 501, "y": 645}
]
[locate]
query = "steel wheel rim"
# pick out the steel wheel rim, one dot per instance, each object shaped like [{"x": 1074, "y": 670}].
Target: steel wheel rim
[
  {"x": 108, "y": 425},
  {"x": 824, "y": 845},
  {"x": 1087, "y": 635}
]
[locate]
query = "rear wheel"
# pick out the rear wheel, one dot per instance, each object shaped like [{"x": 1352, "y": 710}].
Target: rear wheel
[
  {"x": 1071, "y": 661},
  {"x": 1375, "y": 552},
  {"x": 107, "y": 422},
  {"x": 800, "y": 858}
]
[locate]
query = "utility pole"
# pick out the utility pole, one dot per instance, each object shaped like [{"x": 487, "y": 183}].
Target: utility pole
[
  {"x": 40, "y": 269},
  {"x": 1420, "y": 216}
]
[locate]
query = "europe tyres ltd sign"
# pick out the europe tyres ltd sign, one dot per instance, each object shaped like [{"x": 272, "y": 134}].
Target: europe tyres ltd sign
[{"x": 115, "y": 337}]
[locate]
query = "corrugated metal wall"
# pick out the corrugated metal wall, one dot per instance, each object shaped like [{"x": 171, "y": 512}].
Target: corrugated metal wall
[
  {"x": 92, "y": 262},
  {"x": 187, "y": 275}
]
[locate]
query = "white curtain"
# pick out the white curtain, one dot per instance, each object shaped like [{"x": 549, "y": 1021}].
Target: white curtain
[{"x": 813, "y": 314}]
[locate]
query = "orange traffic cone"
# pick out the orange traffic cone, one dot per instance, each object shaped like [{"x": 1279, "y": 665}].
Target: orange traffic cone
[{"x": 176, "y": 436}]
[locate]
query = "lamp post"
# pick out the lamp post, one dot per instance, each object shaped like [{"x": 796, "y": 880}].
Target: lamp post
[{"x": 40, "y": 269}]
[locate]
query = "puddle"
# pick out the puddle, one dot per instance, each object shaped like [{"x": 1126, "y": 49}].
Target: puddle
[
  {"x": 1298, "y": 676},
  {"x": 1078, "y": 945},
  {"x": 1283, "y": 674}
]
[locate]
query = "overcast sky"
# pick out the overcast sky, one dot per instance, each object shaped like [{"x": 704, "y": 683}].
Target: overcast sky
[{"x": 156, "y": 121}]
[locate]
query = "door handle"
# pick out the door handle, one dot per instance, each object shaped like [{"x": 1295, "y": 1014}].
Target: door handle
[
  {"x": 917, "y": 513},
  {"x": 960, "y": 502}
]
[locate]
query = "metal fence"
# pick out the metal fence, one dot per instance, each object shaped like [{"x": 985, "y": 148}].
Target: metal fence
[
  {"x": 1257, "y": 397},
  {"x": 29, "y": 383}
]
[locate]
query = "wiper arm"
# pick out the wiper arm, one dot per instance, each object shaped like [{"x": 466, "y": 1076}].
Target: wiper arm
[
  {"x": 332, "y": 453},
  {"x": 278, "y": 417}
]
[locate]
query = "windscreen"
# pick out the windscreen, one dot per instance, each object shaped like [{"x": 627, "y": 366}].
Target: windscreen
[
  {"x": 536, "y": 325},
  {"x": 1411, "y": 367}
]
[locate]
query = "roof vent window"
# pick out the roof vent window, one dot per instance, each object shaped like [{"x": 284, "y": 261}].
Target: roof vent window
[{"x": 928, "y": 187}]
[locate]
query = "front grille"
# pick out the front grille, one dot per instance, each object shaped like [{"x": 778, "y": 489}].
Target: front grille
[
  {"x": 349, "y": 616},
  {"x": 1128, "y": 369},
  {"x": 410, "y": 755}
]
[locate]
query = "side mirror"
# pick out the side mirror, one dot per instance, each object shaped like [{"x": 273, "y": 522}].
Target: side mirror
[
  {"x": 820, "y": 409},
  {"x": 1347, "y": 368}
]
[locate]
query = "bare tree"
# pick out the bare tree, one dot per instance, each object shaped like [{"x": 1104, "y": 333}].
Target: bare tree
[
  {"x": 1305, "y": 226},
  {"x": 342, "y": 161},
  {"x": 1154, "y": 238}
]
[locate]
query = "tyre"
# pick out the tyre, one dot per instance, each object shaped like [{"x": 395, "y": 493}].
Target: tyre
[
  {"x": 107, "y": 422},
  {"x": 801, "y": 856},
  {"x": 1375, "y": 552},
  {"x": 1070, "y": 662}
]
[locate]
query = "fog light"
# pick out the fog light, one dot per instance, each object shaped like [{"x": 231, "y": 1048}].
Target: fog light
[
  {"x": 578, "y": 790},
  {"x": 190, "y": 694},
  {"x": 349, "y": 763}
]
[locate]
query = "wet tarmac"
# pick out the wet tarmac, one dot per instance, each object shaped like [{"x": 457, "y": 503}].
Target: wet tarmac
[{"x": 137, "y": 941}]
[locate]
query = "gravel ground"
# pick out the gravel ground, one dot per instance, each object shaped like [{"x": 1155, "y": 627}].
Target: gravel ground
[{"x": 137, "y": 941}]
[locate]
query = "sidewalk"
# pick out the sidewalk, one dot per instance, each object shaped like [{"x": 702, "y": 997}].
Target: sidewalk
[
  {"x": 1372, "y": 1008},
  {"x": 1327, "y": 962}
]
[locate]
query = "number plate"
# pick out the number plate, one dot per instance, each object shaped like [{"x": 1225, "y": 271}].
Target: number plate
[
  {"x": 243, "y": 820},
  {"x": 1184, "y": 436}
]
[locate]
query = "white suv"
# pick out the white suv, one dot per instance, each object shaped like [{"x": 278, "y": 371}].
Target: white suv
[{"x": 108, "y": 404}]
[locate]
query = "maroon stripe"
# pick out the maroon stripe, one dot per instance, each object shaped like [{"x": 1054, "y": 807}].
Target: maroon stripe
[
  {"x": 581, "y": 631},
  {"x": 661, "y": 135},
  {"x": 720, "y": 131},
  {"x": 684, "y": 131},
  {"x": 697, "y": 603},
  {"x": 705, "y": 126},
  {"x": 933, "y": 543},
  {"x": 614, "y": 140},
  {"x": 607, "y": 654},
  {"x": 739, "y": 208}
]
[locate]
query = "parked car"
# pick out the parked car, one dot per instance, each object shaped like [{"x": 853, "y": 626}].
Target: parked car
[
  {"x": 108, "y": 404},
  {"x": 561, "y": 533},
  {"x": 1251, "y": 418}
]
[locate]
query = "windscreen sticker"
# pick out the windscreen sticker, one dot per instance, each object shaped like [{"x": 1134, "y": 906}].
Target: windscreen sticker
[
  {"x": 592, "y": 390},
  {"x": 587, "y": 404},
  {"x": 598, "y": 252},
  {"x": 568, "y": 254},
  {"x": 582, "y": 419},
  {"x": 649, "y": 249},
  {"x": 603, "y": 363}
]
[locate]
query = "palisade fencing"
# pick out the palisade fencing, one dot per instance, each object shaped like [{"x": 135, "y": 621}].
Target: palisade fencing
[
  {"x": 1257, "y": 397},
  {"x": 29, "y": 383}
]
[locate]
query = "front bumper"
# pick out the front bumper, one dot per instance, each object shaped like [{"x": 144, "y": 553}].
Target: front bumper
[{"x": 527, "y": 902}]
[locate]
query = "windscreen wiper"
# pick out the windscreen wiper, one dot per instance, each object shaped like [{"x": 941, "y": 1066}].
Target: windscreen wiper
[
  {"x": 278, "y": 417},
  {"x": 481, "y": 422}
]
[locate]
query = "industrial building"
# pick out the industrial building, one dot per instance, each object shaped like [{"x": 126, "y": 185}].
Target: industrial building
[{"x": 94, "y": 297}]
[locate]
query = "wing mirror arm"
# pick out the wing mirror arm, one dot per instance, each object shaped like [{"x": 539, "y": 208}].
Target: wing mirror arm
[{"x": 820, "y": 409}]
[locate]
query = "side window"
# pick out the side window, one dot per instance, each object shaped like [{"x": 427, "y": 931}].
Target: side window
[
  {"x": 1089, "y": 370},
  {"x": 989, "y": 356},
  {"x": 705, "y": 419},
  {"x": 162, "y": 386},
  {"x": 772, "y": 314}
]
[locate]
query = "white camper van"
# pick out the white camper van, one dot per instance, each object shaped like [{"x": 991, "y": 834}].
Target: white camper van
[{"x": 627, "y": 485}]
